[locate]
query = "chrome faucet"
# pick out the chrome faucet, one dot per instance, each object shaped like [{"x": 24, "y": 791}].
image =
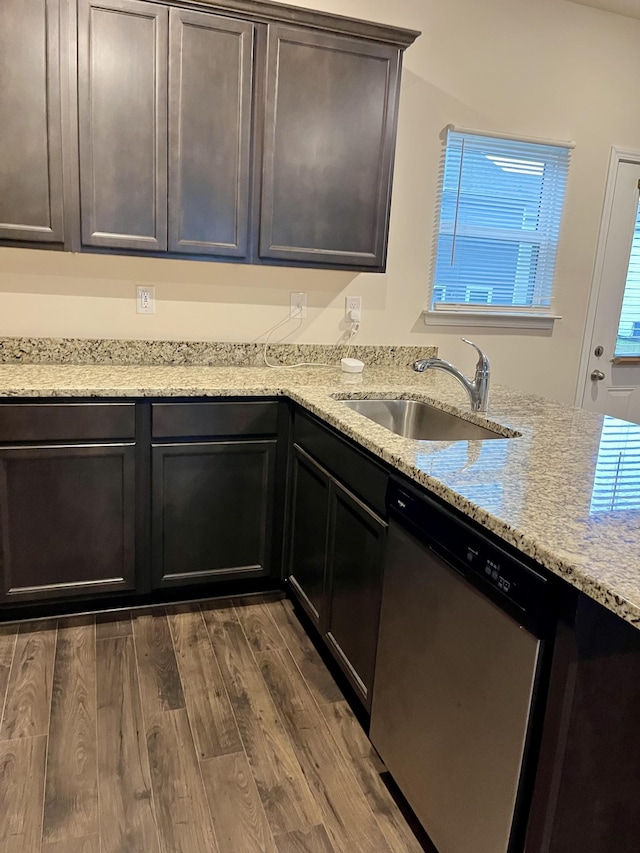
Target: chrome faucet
[{"x": 477, "y": 388}]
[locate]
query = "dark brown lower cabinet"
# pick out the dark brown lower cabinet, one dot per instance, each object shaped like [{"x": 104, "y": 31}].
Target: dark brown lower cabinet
[
  {"x": 68, "y": 520},
  {"x": 587, "y": 787},
  {"x": 212, "y": 510},
  {"x": 98, "y": 498},
  {"x": 311, "y": 487},
  {"x": 335, "y": 572},
  {"x": 354, "y": 569}
]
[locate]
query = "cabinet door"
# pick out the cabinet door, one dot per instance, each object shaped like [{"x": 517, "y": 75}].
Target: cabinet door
[
  {"x": 355, "y": 559},
  {"x": 67, "y": 521},
  {"x": 30, "y": 141},
  {"x": 212, "y": 512},
  {"x": 311, "y": 488},
  {"x": 122, "y": 91},
  {"x": 328, "y": 148},
  {"x": 210, "y": 95}
]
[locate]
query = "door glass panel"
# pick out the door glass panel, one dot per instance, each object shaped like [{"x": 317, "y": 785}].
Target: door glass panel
[
  {"x": 628, "y": 338},
  {"x": 616, "y": 485}
]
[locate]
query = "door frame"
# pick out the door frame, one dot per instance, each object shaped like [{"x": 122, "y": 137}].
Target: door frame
[{"x": 617, "y": 156}]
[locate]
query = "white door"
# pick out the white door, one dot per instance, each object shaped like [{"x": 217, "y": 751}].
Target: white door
[{"x": 611, "y": 368}]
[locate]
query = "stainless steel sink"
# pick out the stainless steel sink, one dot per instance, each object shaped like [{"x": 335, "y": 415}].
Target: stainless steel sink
[{"x": 413, "y": 419}]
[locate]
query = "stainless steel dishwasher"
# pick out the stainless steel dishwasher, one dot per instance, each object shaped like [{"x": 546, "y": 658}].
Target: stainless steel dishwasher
[{"x": 460, "y": 675}]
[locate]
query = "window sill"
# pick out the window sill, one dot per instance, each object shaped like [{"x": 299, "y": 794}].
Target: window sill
[
  {"x": 490, "y": 319},
  {"x": 625, "y": 361}
]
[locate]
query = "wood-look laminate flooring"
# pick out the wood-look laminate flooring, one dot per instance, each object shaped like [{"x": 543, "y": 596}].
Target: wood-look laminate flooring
[{"x": 195, "y": 728}]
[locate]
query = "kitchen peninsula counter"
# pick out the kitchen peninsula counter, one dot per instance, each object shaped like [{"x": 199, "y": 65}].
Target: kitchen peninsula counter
[{"x": 547, "y": 492}]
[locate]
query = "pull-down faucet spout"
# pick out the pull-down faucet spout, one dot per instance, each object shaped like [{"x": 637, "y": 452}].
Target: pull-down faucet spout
[{"x": 477, "y": 388}]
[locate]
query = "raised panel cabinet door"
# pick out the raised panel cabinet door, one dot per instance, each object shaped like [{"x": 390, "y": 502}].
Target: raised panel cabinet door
[
  {"x": 212, "y": 511},
  {"x": 328, "y": 149},
  {"x": 122, "y": 110},
  {"x": 210, "y": 104},
  {"x": 67, "y": 521},
  {"x": 30, "y": 140},
  {"x": 311, "y": 487},
  {"x": 355, "y": 561}
]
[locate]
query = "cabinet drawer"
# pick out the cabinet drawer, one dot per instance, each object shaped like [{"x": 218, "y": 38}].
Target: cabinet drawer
[
  {"x": 361, "y": 474},
  {"x": 66, "y": 421},
  {"x": 200, "y": 420}
]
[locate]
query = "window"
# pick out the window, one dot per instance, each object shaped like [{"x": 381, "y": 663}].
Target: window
[{"x": 501, "y": 206}]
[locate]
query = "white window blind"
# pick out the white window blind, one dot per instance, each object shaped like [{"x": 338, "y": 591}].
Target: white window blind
[
  {"x": 617, "y": 479},
  {"x": 628, "y": 339},
  {"x": 501, "y": 207}
]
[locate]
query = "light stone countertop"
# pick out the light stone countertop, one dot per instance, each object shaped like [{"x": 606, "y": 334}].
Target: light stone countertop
[{"x": 535, "y": 492}]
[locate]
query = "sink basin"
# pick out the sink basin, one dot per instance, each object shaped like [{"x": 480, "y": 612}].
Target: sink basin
[{"x": 413, "y": 419}]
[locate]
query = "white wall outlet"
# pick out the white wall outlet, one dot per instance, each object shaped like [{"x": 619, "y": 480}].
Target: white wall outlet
[
  {"x": 298, "y": 310},
  {"x": 352, "y": 309},
  {"x": 145, "y": 299}
]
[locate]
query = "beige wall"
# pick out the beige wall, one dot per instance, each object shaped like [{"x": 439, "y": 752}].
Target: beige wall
[{"x": 538, "y": 67}]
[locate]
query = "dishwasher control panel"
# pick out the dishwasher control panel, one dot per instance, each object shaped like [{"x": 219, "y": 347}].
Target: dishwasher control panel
[
  {"x": 505, "y": 576},
  {"x": 498, "y": 570}
]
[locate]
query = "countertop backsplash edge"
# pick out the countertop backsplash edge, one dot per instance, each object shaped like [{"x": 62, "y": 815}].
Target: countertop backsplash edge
[{"x": 98, "y": 351}]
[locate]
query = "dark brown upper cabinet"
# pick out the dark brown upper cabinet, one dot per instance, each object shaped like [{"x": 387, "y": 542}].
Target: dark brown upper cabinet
[
  {"x": 330, "y": 123},
  {"x": 239, "y": 130},
  {"x": 122, "y": 113},
  {"x": 210, "y": 99},
  {"x": 149, "y": 75},
  {"x": 30, "y": 141}
]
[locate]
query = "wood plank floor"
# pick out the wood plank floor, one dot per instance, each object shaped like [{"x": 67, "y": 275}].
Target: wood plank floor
[{"x": 212, "y": 728}]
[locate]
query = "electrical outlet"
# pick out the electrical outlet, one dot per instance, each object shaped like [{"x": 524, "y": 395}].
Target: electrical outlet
[
  {"x": 352, "y": 309},
  {"x": 298, "y": 309},
  {"x": 145, "y": 299}
]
